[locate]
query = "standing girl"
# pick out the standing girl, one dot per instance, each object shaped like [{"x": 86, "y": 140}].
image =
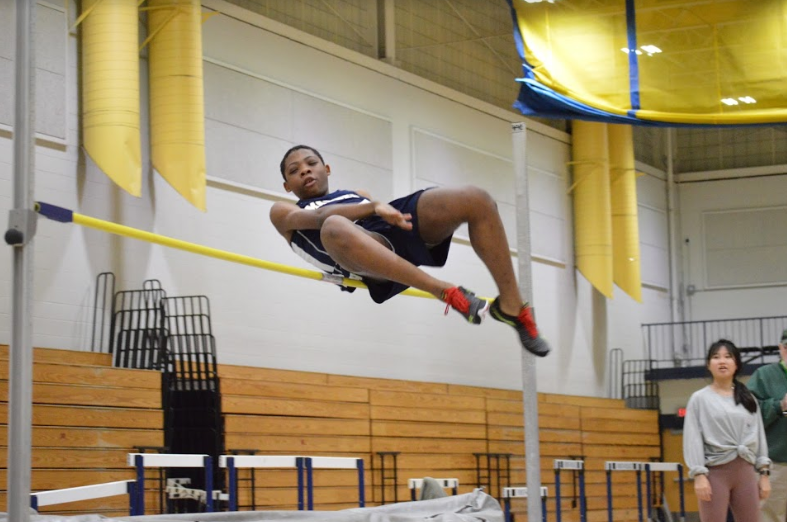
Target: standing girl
[{"x": 724, "y": 442}]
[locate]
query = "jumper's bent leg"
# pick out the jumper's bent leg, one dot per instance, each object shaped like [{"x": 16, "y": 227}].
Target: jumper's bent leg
[
  {"x": 366, "y": 254},
  {"x": 442, "y": 210}
]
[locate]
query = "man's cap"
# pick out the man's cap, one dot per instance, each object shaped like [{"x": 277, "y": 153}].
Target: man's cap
[{"x": 784, "y": 336}]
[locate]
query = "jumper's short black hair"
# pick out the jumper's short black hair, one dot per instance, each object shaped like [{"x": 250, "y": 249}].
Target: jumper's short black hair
[{"x": 293, "y": 149}]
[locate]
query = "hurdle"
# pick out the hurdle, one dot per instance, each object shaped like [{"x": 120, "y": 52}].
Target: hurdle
[
  {"x": 577, "y": 466},
  {"x": 313, "y": 463},
  {"x": 509, "y": 493},
  {"x": 234, "y": 462},
  {"x": 107, "y": 489},
  {"x": 611, "y": 466},
  {"x": 305, "y": 467},
  {"x": 445, "y": 483},
  {"x": 661, "y": 467},
  {"x": 140, "y": 461}
]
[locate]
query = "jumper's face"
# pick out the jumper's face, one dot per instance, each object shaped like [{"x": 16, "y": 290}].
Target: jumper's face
[
  {"x": 783, "y": 350},
  {"x": 722, "y": 364},
  {"x": 305, "y": 174}
]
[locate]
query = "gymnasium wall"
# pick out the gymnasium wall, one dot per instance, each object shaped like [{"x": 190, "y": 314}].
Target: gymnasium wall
[
  {"x": 734, "y": 246},
  {"x": 268, "y": 87}
]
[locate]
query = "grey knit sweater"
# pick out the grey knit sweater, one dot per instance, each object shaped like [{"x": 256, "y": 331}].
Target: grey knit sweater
[{"x": 716, "y": 431}]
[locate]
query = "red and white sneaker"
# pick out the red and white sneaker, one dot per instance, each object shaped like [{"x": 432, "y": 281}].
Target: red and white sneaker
[{"x": 466, "y": 303}]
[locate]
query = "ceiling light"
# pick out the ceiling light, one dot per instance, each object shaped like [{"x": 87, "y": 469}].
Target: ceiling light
[
  {"x": 729, "y": 101},
  {"x": 650, "y": 49},
  {"x": 747, "y": 99}
]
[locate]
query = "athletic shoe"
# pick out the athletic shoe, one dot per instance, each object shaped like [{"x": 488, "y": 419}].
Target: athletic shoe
[
  {"x": 466, "y": 303},
  {"x": 525, "y": 326}
]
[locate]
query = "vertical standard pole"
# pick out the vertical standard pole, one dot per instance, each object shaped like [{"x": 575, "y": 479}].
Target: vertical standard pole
[
  {"x": 20, "y": 394},
  {"x": 529, "y": 389}
]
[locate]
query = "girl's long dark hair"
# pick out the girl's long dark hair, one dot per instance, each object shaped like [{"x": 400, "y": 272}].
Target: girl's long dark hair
[{"x": 741, "y": 393}]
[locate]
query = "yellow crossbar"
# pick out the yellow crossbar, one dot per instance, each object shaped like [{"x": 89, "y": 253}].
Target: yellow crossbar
[{"x": 122, "y": 230}]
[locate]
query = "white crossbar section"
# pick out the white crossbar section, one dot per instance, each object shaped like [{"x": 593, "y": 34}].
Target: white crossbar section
[
  {"x": 522, "y": 492},
  {"x": 569, "y": 464},
  {"x": 445, "y": 482},
  {"x": 663, "y": 466},
  {"x": 61, "y": 496},
  {"x": 623, "y": 466},
  {"x": 259, "y": 461},
  {"x": 334, "y": 462},
  {"x": 167, "y": 460}
]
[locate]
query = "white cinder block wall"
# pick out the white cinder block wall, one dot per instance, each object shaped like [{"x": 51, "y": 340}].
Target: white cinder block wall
[{"x": 381, "y": 129}]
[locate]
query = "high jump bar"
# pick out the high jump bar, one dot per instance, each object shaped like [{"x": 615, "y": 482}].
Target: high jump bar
[{"x": 64, "y": 215}]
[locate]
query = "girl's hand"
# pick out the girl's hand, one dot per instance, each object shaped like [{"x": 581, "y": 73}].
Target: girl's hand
[
  {"x": 765, "y": 487},
  {"x": 702, "y": 488}
]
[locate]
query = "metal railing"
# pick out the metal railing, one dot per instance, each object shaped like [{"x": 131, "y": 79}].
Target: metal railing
[{"x": 686, "y": 343}]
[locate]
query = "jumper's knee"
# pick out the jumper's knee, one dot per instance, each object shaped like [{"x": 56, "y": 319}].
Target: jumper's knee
[
  {"x": 479, "y": 198},
  {"x": 336, "y": 232}
]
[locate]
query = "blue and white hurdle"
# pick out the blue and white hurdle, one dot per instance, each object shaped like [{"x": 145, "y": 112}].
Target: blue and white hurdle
[
  {"x": 661, "y": 467},
  {"x": 574, "y": 465},
  {"x": 234, "y": 462},
  {"x": 305, "y": 467},
  {"x": 649, "y": 468},
  {"x": 170, "y": 460},
  {"x": 509, "y": 493},
  {"x": 637, "y": 467},
  {"x": 107, "y": 489},
  {"x": 312, "y": 463}
]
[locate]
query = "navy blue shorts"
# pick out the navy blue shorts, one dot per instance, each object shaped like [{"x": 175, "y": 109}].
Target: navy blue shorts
[{"x": 406, "y": 244}]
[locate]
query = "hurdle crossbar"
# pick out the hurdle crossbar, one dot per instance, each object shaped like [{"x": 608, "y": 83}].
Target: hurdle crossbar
[
  {"x": 637, "y": 467},
  {"x": 140, "y": 461},
  {"x": 107, "y": 489},
  {"x": 661, "y": 467},
  {"x": 521, "y": 492},
  {"x": 64, "y": 215},
  {"x": 234, "y": 462},
  {"x": 578, "y": 467}
]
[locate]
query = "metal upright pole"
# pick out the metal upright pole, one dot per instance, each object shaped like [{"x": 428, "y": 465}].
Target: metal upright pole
[
  {"x": 20, "y": 234},
  {"x": 529, "y": 388}
]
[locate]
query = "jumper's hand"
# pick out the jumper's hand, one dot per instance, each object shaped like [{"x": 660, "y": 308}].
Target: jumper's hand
[
  {"x": 765, "y": 487},
  {"x": 702, "y": 488},
  {"x": 393, "y": 216}
]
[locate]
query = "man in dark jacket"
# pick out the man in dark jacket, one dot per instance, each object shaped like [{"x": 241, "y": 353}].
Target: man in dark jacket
[{"x": 769, "y": 385}]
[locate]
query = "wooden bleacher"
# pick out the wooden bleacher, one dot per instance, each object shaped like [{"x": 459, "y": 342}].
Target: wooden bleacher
[{"x": 87, "y": 416}]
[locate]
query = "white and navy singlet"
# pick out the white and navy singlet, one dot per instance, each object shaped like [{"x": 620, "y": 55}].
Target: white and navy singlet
[{"x": 307, "y": 243}]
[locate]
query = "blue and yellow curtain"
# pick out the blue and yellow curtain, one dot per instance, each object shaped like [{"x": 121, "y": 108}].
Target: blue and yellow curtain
[{"x": 668, "y": 62}]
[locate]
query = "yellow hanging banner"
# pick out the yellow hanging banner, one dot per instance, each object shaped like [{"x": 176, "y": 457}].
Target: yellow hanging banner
[
  {"x": 110, "y": 90},
  {"x": 177, "y": 119},
  {"x": 623, "y": 196},
  {"x": 592, "y": 221}
]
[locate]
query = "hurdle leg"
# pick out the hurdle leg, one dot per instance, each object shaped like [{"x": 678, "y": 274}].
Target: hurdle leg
[
  {"x": 557, "y": 495},
  {"x": 139, "y": 463},
  {"x": 639, "y": 494},
  {"x": 582, "y": 501},
  {"x": 233, "y": 486},
  {"x": 361, "y": 485},
  {"x": 609, "y": 496},
  {"x": 299, "y": 466}
]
